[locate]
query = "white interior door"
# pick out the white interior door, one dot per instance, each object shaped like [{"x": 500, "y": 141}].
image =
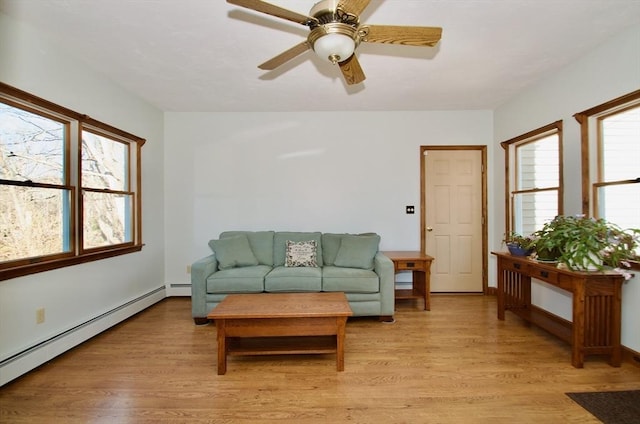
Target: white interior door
[{"x": 453, "y": 219}]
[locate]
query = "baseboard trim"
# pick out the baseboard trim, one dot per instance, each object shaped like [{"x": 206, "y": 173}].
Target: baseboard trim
[
  {"x": 631, "y": 356},
  {"x": 178, "y": 289},
  {"x": 34, "y": 356}
]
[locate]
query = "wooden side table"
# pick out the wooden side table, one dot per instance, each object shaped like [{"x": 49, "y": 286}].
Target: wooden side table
[{"x": 420, "y": 264}]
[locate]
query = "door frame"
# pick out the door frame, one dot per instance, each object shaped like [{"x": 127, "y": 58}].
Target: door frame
[{"x": 423, "y": 201}]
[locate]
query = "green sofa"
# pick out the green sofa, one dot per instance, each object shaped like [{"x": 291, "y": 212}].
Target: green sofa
[{"x": 270, "y": 261}]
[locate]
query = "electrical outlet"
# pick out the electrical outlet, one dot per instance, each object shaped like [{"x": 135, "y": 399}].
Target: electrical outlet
[
  {"x": 188, "y": 269},
  {"x": 39, "y": 316},
  {"x": 410, "y": 210}
]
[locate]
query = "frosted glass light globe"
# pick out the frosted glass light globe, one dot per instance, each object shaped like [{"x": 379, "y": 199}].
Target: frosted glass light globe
[{"x": 334, "y": 48}]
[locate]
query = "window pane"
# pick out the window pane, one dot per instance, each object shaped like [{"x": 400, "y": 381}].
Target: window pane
[
  {"x": 32, "y": 146},
  {"x": 107, "y": 219},
  {"x": 33, "y": 222},
  {"x": 620, "y": 204},
  {"x": 533, "y": 210},
  {"x": 621, "y": 146},
  {"x": 104, "y": 163},
  {"x": 538, "y": 164}
]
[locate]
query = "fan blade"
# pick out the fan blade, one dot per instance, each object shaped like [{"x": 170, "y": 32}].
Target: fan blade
[
  {"x": 285, "y": 56},
  {"x": 277, "y": 11},
  {"x": 352, "y": 71},
  {"x": 354, "y": 6},
  {"x": 407, "y": 35}
]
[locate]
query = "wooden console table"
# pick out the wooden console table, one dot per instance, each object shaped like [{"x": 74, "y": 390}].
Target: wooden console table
[
  {"x": 595, "y": 329},
  {"x": 420, "y": 264}
]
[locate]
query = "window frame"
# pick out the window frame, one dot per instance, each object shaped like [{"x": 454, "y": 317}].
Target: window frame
[
  {"x": 511, "y": 168},
  {"x": 74, "y": 123},
  {"x": 590, "y": 123}
]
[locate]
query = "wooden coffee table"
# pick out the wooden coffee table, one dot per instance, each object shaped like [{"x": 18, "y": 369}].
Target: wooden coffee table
[{"x": 281, "y": 323}]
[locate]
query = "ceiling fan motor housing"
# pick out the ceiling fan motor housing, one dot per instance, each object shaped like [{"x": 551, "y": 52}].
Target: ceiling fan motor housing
[{"x": 328, "y": 11}]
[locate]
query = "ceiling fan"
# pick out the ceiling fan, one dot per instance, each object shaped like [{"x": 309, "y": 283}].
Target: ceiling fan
[{"x": 336, "y": 32}]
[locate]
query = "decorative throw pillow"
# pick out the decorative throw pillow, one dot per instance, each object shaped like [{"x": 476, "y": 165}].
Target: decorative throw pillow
[
  {"x": 233, "y": 252},
  {"x": 302, "y": 253},
  {"x": 357, "y": 251}
]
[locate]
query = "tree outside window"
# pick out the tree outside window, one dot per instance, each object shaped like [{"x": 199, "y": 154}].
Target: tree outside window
[
  {"x": 35, "y": 217},
  {"x": 106, "y": 196}
]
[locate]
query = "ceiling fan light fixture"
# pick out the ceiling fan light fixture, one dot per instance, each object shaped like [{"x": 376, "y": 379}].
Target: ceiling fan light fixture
[
  {"x": 333, "y": 42},
  {"x": 334, "y": 47}
]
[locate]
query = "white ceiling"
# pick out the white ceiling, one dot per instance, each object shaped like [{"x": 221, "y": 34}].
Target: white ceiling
[{"x": 202, "y": 55}]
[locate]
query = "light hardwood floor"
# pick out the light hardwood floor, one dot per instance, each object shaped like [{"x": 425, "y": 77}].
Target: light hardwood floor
[{"x": 454, "y": 364}]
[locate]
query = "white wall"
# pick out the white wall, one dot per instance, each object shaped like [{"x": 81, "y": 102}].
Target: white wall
[
  {"x": 75, "y": 295},
  {"x": 325, "y": 171},
  {"x": 609, "y": 71}
]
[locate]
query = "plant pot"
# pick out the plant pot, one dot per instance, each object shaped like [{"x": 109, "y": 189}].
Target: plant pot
[
  {"x": 548, "y": 255},
  {"x": 516, "y": 250},
  {"x": 591, "y": 263}
]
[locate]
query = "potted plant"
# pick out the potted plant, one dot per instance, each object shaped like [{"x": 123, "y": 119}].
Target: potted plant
[
  {"x": 518, "y": 244},
  {"x": 583, "y": 243}
]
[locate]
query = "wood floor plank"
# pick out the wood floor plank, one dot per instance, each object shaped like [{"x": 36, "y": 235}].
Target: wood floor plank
[{"x": 454, "y": 364}]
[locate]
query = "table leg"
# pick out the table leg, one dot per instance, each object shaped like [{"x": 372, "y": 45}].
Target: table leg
[
  {"x": 222, "y": 347},
  {"x": 427, "y": 288},
  {"x": 500, "y": 290},
  {"x": 340, "y": 333},
  {"x": 577, "y": 327},
  {"x": 616, "y": 318}
]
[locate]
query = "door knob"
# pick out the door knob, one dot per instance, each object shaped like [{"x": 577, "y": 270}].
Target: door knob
[{"x": 429, "y": 229}]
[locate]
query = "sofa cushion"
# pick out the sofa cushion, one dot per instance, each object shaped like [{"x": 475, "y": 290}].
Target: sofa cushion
[
  {"x": 280, "y": 245},
  {"x": 290, "y": 279},
  {"x": 301, "y": 253},
  {"x": 357, "y": 251},
  {"x": 261, "y": 243},
  {"x": 349, "y": 280},
  {"x": 233, "y": 252},
  {"x": 248, "y": 279},
  {"x": 330, "y": 247}
]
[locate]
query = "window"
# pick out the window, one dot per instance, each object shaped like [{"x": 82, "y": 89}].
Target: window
[
  {"x": 611, "y": 177},
  {"x": 106, "y": 197},
  {"x": 533, "y": 164},
  {"x": 69, "y": 187}
]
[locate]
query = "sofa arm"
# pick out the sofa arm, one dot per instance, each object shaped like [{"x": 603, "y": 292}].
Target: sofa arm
[
  {"x": 383, "y": 266},
  {"x": 200, "y": 270}
]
